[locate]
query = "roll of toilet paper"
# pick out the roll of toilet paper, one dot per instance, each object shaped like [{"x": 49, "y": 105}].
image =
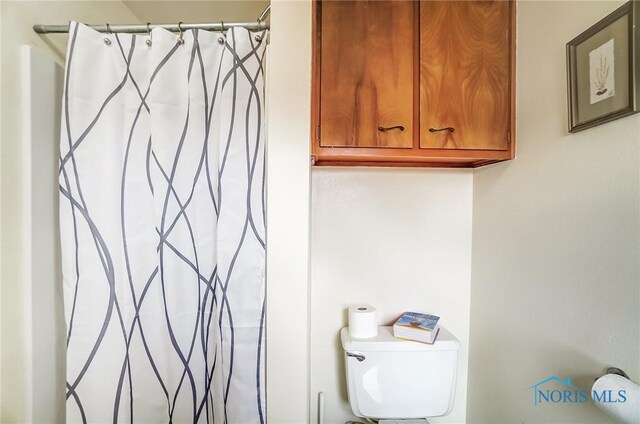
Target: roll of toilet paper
[
  {"x": 363, "y": 322},
  {"x": 618, "y": 397}
]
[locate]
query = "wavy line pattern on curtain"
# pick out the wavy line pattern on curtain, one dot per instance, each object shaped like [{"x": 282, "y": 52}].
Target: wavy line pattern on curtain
[{"x": 162, "y": 182}]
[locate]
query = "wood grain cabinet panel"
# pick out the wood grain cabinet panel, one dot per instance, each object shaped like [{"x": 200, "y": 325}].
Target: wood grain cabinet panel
[
  {"x": 443, "y": 70},
  {"x": 367, "y": 73},
  {"x": 464, "y": 74}
]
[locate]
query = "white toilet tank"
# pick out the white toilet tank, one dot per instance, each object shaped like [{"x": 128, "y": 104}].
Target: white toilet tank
[{"x": 390, "y": 378}]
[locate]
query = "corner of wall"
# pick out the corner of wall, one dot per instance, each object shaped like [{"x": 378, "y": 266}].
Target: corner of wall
[{"x": 288, "y": 184}]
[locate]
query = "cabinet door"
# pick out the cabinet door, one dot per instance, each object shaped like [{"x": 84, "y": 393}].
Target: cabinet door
[
  {"x": 367, "y": 73},
  {"x": 464, "y": 74}
]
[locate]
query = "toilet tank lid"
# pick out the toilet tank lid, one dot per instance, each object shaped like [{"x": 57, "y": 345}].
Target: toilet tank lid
[{"x": 385, "y": 341}]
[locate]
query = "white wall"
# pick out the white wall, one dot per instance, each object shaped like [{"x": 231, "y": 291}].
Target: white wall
[
  {"x": 196, "y": 10},
  {"x": 43, "y": 324},
  {"x": 556, "y": 240},
  {"x": 15, "y": 29},
  {"x": 399, "y": 240},
  {"x": 288, "y": 109}
]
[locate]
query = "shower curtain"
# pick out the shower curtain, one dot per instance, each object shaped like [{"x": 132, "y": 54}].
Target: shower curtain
[{"x": 162, "y": 214}]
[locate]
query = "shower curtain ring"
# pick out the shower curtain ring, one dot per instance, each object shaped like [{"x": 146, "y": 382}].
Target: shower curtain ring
[
  {"x": 148, "y": 42},
  {"x": 181, "y": 38},
  {"x": 258, "y": 37},
  {"x": 106, "y": 40},
  {"x": 221, "y": 39}
]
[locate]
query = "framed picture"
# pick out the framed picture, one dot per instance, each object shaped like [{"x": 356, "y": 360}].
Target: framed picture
[{"x": 602, "y": 69}]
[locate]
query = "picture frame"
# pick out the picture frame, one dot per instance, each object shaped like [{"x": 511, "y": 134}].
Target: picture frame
[{"x": 602, "y": 70}]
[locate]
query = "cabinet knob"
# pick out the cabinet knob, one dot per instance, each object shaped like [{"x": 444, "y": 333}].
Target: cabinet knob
[
  {"x": 442, "y": 129},
  {"x": 395, "y": 127}
]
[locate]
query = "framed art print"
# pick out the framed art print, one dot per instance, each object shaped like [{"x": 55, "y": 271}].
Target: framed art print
[{"x": 602, "y": 70}]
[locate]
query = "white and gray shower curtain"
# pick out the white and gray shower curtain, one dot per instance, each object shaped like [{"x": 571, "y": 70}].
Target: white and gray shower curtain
[{"x": 162, "y": 226}]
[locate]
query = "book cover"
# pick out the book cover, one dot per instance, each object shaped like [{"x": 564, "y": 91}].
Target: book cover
[{"x": 417, "y": 321}]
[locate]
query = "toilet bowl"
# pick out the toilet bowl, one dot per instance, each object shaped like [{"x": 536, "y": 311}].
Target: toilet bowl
[{"x": 398, "y": 380}]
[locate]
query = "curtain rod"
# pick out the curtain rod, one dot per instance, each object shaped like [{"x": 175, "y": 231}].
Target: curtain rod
[
  {"x": 143, "y": 28},
  {"x": 179, "y": 27}
]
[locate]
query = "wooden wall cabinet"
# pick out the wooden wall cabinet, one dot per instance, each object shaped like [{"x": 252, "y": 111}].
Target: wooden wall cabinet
[{"x": 413, "y": 83}]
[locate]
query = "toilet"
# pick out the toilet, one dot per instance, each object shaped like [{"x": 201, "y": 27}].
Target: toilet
[{"x": 393, "y": 380}]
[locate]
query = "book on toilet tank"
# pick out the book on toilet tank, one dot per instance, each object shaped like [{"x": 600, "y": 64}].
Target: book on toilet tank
[{"x": 416, "y": 326}]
